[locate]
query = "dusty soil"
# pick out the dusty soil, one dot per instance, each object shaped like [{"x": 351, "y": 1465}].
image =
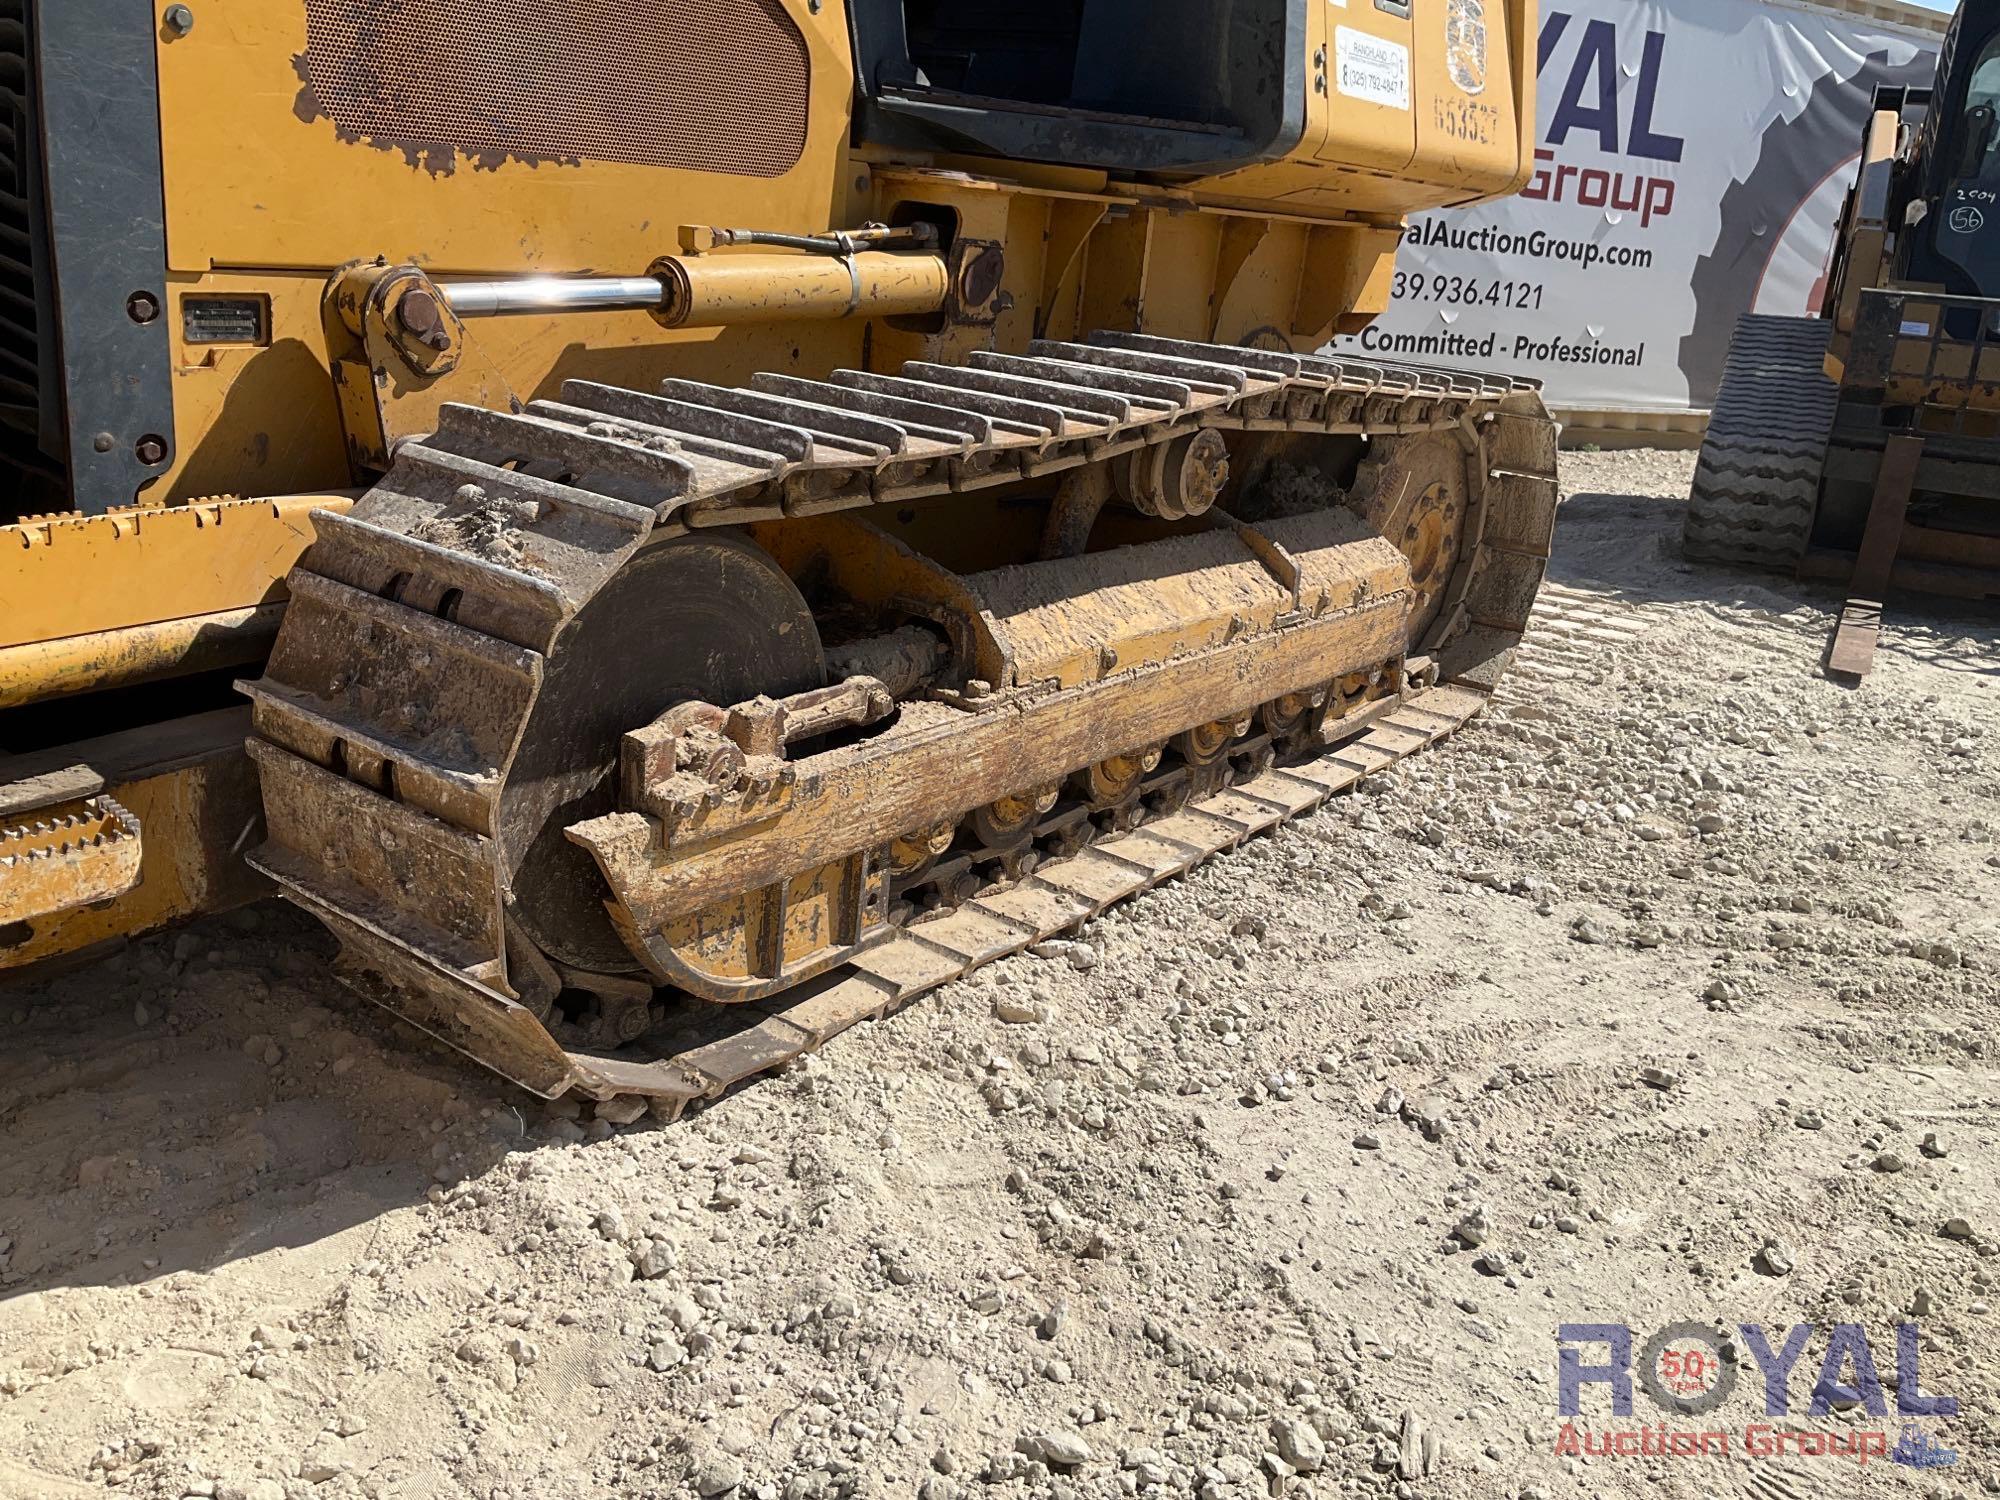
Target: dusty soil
[{"x": 1665, "y": 992}]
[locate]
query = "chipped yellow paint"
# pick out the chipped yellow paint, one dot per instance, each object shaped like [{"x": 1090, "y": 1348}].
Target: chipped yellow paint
[{"x": 250, "y": 183}]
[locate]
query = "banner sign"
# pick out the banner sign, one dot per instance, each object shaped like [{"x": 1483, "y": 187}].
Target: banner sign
[{"x": 1692, "y": 162}]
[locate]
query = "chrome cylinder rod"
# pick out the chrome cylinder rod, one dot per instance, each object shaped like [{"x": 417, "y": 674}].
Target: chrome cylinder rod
[{"x": 533, "y": 294}]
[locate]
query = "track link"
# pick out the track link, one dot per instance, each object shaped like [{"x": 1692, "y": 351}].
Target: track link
[
  {"x": 1756, "y": 482},
  {"x": 420, "y": 625}
]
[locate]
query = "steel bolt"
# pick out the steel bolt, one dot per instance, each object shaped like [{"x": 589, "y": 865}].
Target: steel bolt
[
  {"x": 178, "y": 19},
  {"x": 104, "y": 442},
  {"x": 980, "y": 277},
  {"x": 422, "y": 318},
  {"x": 142, "y": 307},
  {"x": 150, "y": 450}
]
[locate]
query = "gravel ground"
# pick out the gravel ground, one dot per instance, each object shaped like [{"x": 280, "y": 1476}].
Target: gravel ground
[{"x": 1664, "y": 992}]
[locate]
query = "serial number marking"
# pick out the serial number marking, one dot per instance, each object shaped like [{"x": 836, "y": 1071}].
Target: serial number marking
[{"x": 1465, "y": 119}]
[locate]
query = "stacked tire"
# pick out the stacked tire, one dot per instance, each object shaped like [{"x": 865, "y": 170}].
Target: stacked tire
[{"x": 1757, "y": 480}]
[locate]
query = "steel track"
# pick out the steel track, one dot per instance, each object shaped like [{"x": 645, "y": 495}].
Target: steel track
[
  {"x": 421, "y": 622},
  {"x": 1756, "y": 481}
]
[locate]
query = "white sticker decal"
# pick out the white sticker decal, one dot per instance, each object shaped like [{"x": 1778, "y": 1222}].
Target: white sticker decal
[
  {"x": 1465, "y": 44},
  {"x": 1368, "y": 67}
]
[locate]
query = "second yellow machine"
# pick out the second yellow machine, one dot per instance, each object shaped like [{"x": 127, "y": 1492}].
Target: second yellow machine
[{"x": 727, "y": 513}]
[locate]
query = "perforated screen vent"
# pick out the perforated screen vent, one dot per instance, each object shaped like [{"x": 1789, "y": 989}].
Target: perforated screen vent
[{"x": 707, "y": 85}]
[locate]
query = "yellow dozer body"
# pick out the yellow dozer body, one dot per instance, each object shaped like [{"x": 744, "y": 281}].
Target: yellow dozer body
[{"x": 726, "y": 513}]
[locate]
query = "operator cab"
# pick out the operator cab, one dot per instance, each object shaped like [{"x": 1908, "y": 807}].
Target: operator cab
[
  {"x": 1165, "y": 87},
  {"x": 1959, "y": 245}
]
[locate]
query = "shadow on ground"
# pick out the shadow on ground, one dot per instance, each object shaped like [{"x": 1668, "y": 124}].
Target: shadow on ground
[
  {"x": 212, "y": 1093},
  {"x": 1628, "y": 546}
]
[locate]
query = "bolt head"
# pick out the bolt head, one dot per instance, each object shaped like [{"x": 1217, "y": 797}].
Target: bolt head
[
  {"x": 142, "y": 307},
  {"x": 980, "y": 277},
  {"x": 150, "y": 450},
  {"x": 104, "y": 442},
  {"x": 418, "y": 311},
  {"x": 178, "y": 20}
]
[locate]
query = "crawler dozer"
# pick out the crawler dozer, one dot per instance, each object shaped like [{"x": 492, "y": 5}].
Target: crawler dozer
[
  {"x": 726, "y": 513},
  {"x": 1862, "y": 444}
]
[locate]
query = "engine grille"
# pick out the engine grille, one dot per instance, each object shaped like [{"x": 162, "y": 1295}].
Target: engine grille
[
  {"x": 708, "y": 85},
  {"x": 28, "y": 399}
]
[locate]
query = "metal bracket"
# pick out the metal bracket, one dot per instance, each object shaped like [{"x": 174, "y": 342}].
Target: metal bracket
[
  {"x": 1851, "y": 651},
  {"x": 399, "y": 352},
  {"x": 100, "y": 123}
]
